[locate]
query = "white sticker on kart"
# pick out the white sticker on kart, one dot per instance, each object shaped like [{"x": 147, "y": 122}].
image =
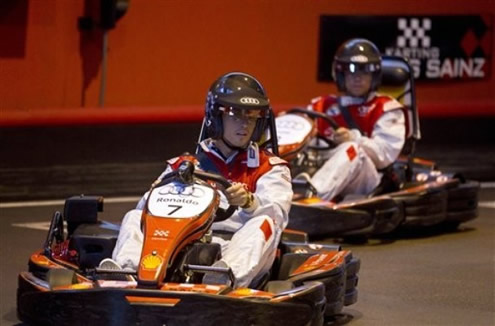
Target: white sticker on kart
[
  {"x": 176, "y": 200},
  {"x": 292, "y": 129}
]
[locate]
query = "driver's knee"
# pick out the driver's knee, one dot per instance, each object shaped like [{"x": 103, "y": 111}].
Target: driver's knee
[
  {"x": 132, "y": 217},
  {"x": 261, "y": 227}
]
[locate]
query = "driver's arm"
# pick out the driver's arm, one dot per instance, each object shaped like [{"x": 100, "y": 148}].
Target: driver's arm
[
  {"x": 387, "y": 139},
  {"x": 272, "y": 197},
  {"x": 239, "y": 195}
]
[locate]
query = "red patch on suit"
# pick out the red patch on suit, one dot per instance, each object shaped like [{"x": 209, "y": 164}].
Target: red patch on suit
[
  {"x": 267, "y": 230},
  {"x": 351, "y": 153}
]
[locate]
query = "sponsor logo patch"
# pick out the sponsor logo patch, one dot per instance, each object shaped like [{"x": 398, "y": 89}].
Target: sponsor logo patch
[
  {"x": 151, "y": 262},
  {"x": 249, "y": 100}
]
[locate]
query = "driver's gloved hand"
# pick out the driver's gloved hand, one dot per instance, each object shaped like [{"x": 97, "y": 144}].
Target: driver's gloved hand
[
  {"x": 342, "y": 135},
  {"x": 238, "y": 195}
]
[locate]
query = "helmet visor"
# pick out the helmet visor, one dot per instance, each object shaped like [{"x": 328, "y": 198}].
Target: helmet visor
[
  {"x": 353, "y": 67},
  {"x": 250, "y": 115}
]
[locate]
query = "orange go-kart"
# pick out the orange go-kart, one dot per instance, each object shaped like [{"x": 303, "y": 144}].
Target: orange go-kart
[
  {"x": 65, "y": 286},
  {"x": 413, "y": 192}
]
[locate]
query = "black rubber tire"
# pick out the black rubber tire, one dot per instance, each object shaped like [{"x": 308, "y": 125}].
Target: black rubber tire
[
  {"x": 464, "y": 197},
  {"x": 433, "y": 208},
  {"x": 468, "y": 189},
  {"x": 351, "y": 298},
  {"x": 460, "y": 205},
  {"x": 449, "y": 226},
  {"x": 425, "y": 198},
  {"x": 352, "y": 267},
  {"x": 351, "y": 283},
  {"x": 425, "y": 209},
  {"x": 334, "y": 308},
  {"x": 388, "y": 220},
  {"x": 462, "y": 216},
  {"x": 327, "y": 222},
  {"x": 423, "y": 220},
  {"x": 318, "y": 321}
]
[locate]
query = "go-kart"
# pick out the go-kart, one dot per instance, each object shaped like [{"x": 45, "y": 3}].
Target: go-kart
[
  {"x": 65, "y": 285},
  {"x": 413, "y": 192}
]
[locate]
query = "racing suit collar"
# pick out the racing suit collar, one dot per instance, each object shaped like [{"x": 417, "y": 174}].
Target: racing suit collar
[
  {"x": 208, "y": 145},
  {"x": 346, "y": 100}
]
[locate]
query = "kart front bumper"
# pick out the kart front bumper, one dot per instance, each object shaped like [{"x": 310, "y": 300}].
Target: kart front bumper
[{"x": 115, "y": 306}]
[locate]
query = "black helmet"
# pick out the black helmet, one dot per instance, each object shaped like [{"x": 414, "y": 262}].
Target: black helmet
[
  {"x": 239, "y": 91},
  {"x": 357, "y": 55}
]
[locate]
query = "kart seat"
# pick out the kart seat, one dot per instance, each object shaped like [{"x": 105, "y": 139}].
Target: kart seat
[
  {"x": 398, "y": 82},
  {"x": 81, "y": 210},
  {"x": 94, "y": 242}
]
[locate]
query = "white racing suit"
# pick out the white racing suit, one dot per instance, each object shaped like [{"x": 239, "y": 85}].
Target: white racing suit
[
  {"x": 351, "y": 167},
  {"x": 257, "y": 230}
]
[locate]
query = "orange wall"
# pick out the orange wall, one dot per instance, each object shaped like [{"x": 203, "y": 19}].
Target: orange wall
[{"x": 167, "y": 52}]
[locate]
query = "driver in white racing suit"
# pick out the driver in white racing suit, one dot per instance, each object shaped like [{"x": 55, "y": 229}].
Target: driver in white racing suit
[
  {"x": 373, "y": 126},
  {"x": 237, "y": 115}
]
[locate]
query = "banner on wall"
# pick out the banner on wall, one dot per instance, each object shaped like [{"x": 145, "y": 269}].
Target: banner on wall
[{"x": 438, "y": 47}]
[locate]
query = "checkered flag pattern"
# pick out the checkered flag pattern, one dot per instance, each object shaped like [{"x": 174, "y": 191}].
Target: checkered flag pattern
[{"x": 414, "y": 32}]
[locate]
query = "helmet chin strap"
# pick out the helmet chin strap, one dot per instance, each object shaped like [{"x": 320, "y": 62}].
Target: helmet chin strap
[
  {"x": 253, "y": 153},
  {"x": 232, "y": 147}
]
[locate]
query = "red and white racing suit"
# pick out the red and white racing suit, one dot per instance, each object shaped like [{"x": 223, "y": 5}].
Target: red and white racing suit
[
  {"x": 351, "y": 167},
  {"x": 257, "y": 230}
]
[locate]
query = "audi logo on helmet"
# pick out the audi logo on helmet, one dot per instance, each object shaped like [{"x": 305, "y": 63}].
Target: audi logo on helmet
[{"x": 249, "y": 100}]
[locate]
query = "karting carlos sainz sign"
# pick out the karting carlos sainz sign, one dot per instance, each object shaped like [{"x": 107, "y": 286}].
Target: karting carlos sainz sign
[{"x": 438, "y": 47}]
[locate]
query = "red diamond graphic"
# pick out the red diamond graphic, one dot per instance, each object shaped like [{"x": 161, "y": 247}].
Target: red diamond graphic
[{"x": 469, "y": 43}]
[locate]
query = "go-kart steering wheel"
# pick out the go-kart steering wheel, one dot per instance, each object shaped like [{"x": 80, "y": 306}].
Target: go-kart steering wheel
[
  {"x": 186, "y": 174},
  {"x": 222, "y": 213},
  {"x": 318, "y": 115}
]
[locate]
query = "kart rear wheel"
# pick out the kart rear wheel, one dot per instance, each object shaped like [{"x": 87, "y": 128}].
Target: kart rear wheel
[
  {"x": 423, "y": 220},
  {"x": 462, "y": 204},
  {"x": 469, "y": 189},
  {"x": 424, "y": 209},
  {"x": 318, "y": 321},
  {"x": 322, "y": 221},
  {"x": 450, "y": 226},
  {"x": 464, "y": 197},
  {"x": 462, "y": 216}
]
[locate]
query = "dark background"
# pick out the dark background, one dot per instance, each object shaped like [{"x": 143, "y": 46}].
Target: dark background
[{"x": 122, "y": 160}]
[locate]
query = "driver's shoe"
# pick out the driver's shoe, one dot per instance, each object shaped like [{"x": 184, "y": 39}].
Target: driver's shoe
[
  {"x": 112, "y": 265},
  {"x": 302, "y": 184},
  {"x": 109, "y": 263}
]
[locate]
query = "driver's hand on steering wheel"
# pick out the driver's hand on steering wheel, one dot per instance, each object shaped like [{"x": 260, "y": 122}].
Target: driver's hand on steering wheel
[
  {"x": 237, "y": 194},
  {"x": 342, "y": 135}
]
